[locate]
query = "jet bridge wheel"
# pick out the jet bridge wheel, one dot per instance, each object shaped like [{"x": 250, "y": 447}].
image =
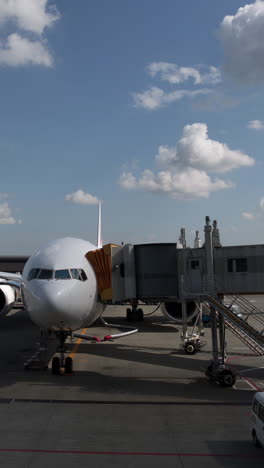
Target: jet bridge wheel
[
  {"x": 226, "y": 378},
  {"x": 135, "y": 315},
  {"x": 68, "y": 369},
  {"x": 55, "y": 366}
]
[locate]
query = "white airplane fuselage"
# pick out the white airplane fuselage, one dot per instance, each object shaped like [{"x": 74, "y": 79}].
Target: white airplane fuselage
[{"x": 61, "y": 304}]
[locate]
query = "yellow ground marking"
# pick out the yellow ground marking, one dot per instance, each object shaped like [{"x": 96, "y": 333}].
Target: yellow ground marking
[{"x": 77, "y": 344}]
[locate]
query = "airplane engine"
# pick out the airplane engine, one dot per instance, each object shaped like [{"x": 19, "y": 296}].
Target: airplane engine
[
  {"x": 7, "y": 299},
  {"x": 173, "y": 310}
]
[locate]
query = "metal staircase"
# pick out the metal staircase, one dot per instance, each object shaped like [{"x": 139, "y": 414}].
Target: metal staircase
[{"x": 249, "y": 328}]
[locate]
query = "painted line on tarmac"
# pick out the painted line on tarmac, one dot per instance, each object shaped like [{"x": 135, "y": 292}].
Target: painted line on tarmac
[
  {"x": 241, "y": 348},
  {"x": 252, "y": 384},
  {"x": 246, "y": 379},
  {"x": 253, "y": 368},
  {"x": 237, "y": 385},
  {"x": 150, "y": 454},
  {"x": 126, "y": 402},
  {"x": 77, "y": 344}
]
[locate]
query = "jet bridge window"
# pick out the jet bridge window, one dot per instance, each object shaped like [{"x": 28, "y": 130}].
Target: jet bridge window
[
  {"x": 62, "y": 274},
  {"x": 195, "y": 264},
  {"x": 237, "y": 265},
  {"x": 33, "y": 274},
  {"x": 45, "y": 274}
]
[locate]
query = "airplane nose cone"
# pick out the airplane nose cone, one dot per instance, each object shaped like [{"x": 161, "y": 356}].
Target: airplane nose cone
[
  {"x": 56, "y": 300},
  {"x": 55, "y": 307}
]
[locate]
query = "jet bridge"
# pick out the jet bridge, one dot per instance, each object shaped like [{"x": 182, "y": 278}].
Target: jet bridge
[
  {"x": 182, "y": 277},
  {"x": 146, "y": 272}
]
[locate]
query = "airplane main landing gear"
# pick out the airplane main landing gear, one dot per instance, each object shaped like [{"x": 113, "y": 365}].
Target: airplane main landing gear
[{"x": 62, "y": 362}]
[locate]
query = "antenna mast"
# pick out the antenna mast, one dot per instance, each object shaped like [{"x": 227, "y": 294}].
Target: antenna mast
[{"x": 99, "y": 230}]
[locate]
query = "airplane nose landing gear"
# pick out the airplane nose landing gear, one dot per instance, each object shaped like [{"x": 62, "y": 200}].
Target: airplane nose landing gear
[
  {"x": 62, "y": 362},
  {"x": 55, "y": 366},
  {"x": 68, "y": 367}
]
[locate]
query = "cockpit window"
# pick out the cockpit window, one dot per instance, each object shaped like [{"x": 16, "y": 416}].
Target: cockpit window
[
  {"x": 62, "y": 274},
  {"x": 33, "y": 274},
  {"x": 78, "y": 274},
  {"x": 45, "y": 274},
  {"x": 75, "y": 273},
  {"x": 83, "y": 275}
]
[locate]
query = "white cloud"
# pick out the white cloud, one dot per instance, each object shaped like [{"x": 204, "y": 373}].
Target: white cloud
[
  {"x": 5, "y": 214},
  {"x": 186, "y": 166},
  {"x": 27, "y": 44},
  {"x": 174, "y": 74},
  {"x": 155, "y": 97},
  {"x": 184, "y": 184},
  {"x": 82, "y": 198},
  {"x": 249, "y": 216},
  {"x": 29, "y": 15},
  {"x": 256, "y": 124},
  {"x": 196, "y": 150},
  {"x": 18, "y": 50},
  {"x": 258, "y": 213},
  {"x": 242, "y": 37}
]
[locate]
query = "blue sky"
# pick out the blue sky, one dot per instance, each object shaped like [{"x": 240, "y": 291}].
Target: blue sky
[{"x": 154, "y": 107}]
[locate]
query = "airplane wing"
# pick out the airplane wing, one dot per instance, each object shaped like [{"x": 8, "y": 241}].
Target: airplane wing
[
  {"x": 10, "y": 279},
  {"x": 10, "y": 276}
]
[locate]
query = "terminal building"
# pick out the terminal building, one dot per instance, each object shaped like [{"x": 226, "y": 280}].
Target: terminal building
[{"x": 13, "y": 264}]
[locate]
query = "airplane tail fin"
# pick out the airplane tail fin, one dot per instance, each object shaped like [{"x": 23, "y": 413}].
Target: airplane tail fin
[{"x": 99, "y": 229}]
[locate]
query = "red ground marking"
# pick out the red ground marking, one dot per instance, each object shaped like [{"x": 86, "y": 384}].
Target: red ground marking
[{"x": 244, "y": 378}]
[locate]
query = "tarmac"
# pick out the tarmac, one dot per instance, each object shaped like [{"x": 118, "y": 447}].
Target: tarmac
[{"x": 136, "y": 401}]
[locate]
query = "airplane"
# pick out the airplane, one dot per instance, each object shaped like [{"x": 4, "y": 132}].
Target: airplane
[{"x": 59, "y": 290}]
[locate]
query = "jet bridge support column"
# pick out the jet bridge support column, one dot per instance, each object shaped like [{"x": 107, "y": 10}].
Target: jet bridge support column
[
  {"x": 208, "y": 244},
  {"x": 217, "y": 370},
  {"x": 214, "y": 334},
  {"x": 184, "y": 321},
  {"x": 184, "y": 334},
  {"x": 222, "y": 341}
]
